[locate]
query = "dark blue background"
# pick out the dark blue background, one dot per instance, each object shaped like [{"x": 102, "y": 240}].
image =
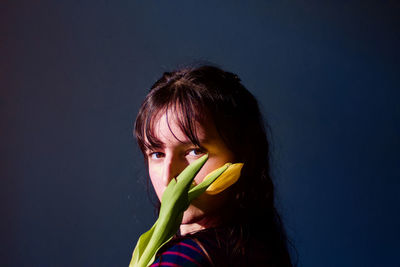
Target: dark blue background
[{"x": 73, "y": 74}]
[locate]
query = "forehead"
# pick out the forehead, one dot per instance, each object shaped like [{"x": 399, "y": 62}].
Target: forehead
[{"x": 169, "y": 128}]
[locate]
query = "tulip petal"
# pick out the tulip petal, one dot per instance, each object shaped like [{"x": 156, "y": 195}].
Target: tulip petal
[{"x": 227, "y": 178}]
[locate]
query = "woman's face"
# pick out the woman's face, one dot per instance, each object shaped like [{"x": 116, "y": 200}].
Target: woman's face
[{"x": 177, "y": 153}]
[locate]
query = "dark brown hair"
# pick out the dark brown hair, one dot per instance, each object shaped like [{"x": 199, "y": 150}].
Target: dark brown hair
[{"x": 207, "y": 92}]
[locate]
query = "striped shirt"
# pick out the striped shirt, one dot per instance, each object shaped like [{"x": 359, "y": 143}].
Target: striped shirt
[{"x": 185, "y": 253}]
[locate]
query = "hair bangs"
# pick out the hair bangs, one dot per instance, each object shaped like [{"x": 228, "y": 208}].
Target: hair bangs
[{"x": 182, "y": 105}]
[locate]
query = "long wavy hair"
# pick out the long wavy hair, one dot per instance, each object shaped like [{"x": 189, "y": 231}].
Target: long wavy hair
[{"x": 255, "y": 231}]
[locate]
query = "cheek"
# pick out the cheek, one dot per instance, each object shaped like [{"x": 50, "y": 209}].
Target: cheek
[
  {"x": 155, "y": 178},
  {"x": 219, "y": 154},
  {"x": 211, "y": 165},
  {"x": 209, "y": 204}
]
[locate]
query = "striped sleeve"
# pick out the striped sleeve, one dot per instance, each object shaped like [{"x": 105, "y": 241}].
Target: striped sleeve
[{"x": 185, "y": 253}]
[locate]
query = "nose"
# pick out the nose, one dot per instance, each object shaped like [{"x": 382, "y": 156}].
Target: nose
[{"x": 173, "y": 166}]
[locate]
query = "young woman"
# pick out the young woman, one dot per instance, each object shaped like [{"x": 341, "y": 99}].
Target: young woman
[{"x": 204, "y": 110}]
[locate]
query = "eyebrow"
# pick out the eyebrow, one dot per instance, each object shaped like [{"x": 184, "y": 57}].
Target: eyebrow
[{"x": 204, "y": 140}]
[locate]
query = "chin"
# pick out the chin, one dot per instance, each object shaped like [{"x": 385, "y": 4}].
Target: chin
[
  {"x": 192, "y": 215},
  {"x": 206, "y": 211}
]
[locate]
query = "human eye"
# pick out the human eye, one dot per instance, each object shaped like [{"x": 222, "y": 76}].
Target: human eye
[
  {"x": 195, "y": 152},
  {"x": 155, "y": 155}
]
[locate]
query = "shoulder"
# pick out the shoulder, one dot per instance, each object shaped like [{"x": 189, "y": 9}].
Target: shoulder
[{"x": 185, "y": 252}]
